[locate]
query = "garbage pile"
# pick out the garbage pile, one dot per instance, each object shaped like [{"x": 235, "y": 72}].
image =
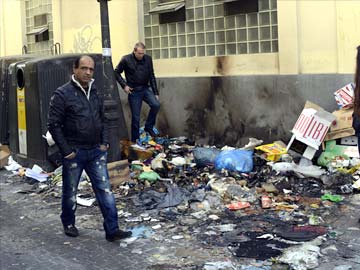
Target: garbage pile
[{"x": 268, "y": 202}]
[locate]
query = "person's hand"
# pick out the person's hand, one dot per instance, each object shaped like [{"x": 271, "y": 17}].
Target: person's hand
[
  {"x": 104, "y": 147},
  {"x": 72, "y": 155},
  {"x": 128, "y": 89},
  {"x": 157, "y": 97}
]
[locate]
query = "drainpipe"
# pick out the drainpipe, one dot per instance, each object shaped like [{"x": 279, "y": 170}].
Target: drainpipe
[{"x": 113, "y": 110}]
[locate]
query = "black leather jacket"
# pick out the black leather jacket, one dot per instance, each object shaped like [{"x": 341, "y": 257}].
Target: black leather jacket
[
  {"x": 75, "y": 121},
  {"x": 137, "y": 72}
]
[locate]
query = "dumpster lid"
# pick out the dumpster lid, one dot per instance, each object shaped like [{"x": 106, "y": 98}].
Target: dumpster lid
[{"x": 38, "y": 30}]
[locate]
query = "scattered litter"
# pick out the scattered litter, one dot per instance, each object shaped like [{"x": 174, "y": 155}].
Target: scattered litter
[
  {"x": 133, "y": 219},
  {"x": 333, "y": 198},
  {"x": 84, "y": 201},
  {"x": 238, "y": 205},
  {"x": 142, "y": 232},
  {"x": 309, "y": 171},
  {"x": 264, "y": 206},
  {"x": 149, "y": 176},
  {"x": 37, "y": 173},
  {"x": 301, "y": 257},
  {"x": 235, "y": 160},
  {"x": 343, "y": 267},
  {"x": 219, "y": 266},
  {"x": 12, "y": 165}
]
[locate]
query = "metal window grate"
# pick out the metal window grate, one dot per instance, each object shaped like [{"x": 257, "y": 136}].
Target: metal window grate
[
  {"x": 40, "y": 20},
  {"x": 207, "y": 31},
  {"x": 38, "y": 13}
]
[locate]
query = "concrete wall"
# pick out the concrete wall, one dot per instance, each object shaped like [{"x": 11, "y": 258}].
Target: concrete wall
[
  {"x": 77, "y": 26},
  {"x": 12, "y": 30},
  {"x": 227, "y": 99},
  {"x": 229, "y": 110},
  {"x": 222, "y": 99},
  {"x": 315, "y": 37}
]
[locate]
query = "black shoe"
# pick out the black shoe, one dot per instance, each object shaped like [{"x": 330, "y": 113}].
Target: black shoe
[
  {"x": 151, "y": 132},
  {"x": 70, "y": 230},
  {"x": 118, "y": 235}
]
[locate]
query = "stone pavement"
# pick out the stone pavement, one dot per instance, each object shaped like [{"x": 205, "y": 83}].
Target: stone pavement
[{"x": 31, "y": 237}]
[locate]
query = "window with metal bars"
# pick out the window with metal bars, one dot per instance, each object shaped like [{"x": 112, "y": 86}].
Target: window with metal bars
[{"x": 212, "y": 28}]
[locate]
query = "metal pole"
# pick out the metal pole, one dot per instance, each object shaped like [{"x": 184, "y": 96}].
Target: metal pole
[{"x": 113, "y": 109}]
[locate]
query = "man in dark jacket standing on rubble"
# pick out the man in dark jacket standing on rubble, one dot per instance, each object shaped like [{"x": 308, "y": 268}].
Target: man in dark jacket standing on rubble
[
  {"x": 139, "y": 73},
  {"x": 77, "y": 124}
]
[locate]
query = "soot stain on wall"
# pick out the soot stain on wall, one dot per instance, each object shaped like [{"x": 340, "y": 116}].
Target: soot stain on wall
[
  {"x": 195, "y": 124},
  {"x": 162, "y": 122},
  {"x": 212, "y": 120},
  {"x": 199, "y": 110},
  {"x": 221, "y": 65}
]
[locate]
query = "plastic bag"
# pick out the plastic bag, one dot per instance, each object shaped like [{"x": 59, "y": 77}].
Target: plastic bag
[
  {"x": 149, "y": 176},
  {"x": 309, "y": 171},
  {"x": 157, "y": 162},
  {"x": 205, "y": 156},
  {"x": 235, "y": 160}
]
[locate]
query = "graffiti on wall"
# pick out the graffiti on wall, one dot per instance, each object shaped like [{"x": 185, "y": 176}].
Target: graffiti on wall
[{"x": 85, "y": 40}]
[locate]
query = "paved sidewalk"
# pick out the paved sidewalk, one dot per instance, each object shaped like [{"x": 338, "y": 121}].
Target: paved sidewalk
[{"x": 31, "y": 237}]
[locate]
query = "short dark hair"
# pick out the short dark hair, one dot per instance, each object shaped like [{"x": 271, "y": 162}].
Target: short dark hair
[
  {"x": 76, "y": 62},
  {"x": 139, "y": 45}
]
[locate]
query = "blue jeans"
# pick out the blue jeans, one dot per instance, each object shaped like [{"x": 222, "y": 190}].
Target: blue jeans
[
  {"x": 93, "y": 161},
  {"x": 136, "y": 98}
]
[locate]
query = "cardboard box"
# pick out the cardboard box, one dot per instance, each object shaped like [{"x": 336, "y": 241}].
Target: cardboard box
[
  {"x": 342, "y": 126},
  {"x": 119, "y": 172},
  {"x": 272, "y": 151},
  {"x": 296, "y": 146},
  {"x": 136, "y": 153},
  {"x": 4, "y": 155},
  {"x": 344, "y": 97},
  {"x": 333, "y": 135},
  {"x": 312, "y": 125},
  {"x": 343, "y": 119}
]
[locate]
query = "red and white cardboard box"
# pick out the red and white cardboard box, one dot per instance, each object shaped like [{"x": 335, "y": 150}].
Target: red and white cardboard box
[
  {"x": 312, "y": 125},
  {"x": 345, "y": 96}
]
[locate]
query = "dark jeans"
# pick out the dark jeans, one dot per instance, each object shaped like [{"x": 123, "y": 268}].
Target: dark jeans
[
  {"x": 136, "y": 98},
  {"x": 93, "y": 161},
  {"x": 356, "y": 126}
]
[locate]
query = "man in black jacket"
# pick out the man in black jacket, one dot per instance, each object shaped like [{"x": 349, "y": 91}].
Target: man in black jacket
[
  {"x": 139, "y": 73},
  {"x": 77, "y": 124}
]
